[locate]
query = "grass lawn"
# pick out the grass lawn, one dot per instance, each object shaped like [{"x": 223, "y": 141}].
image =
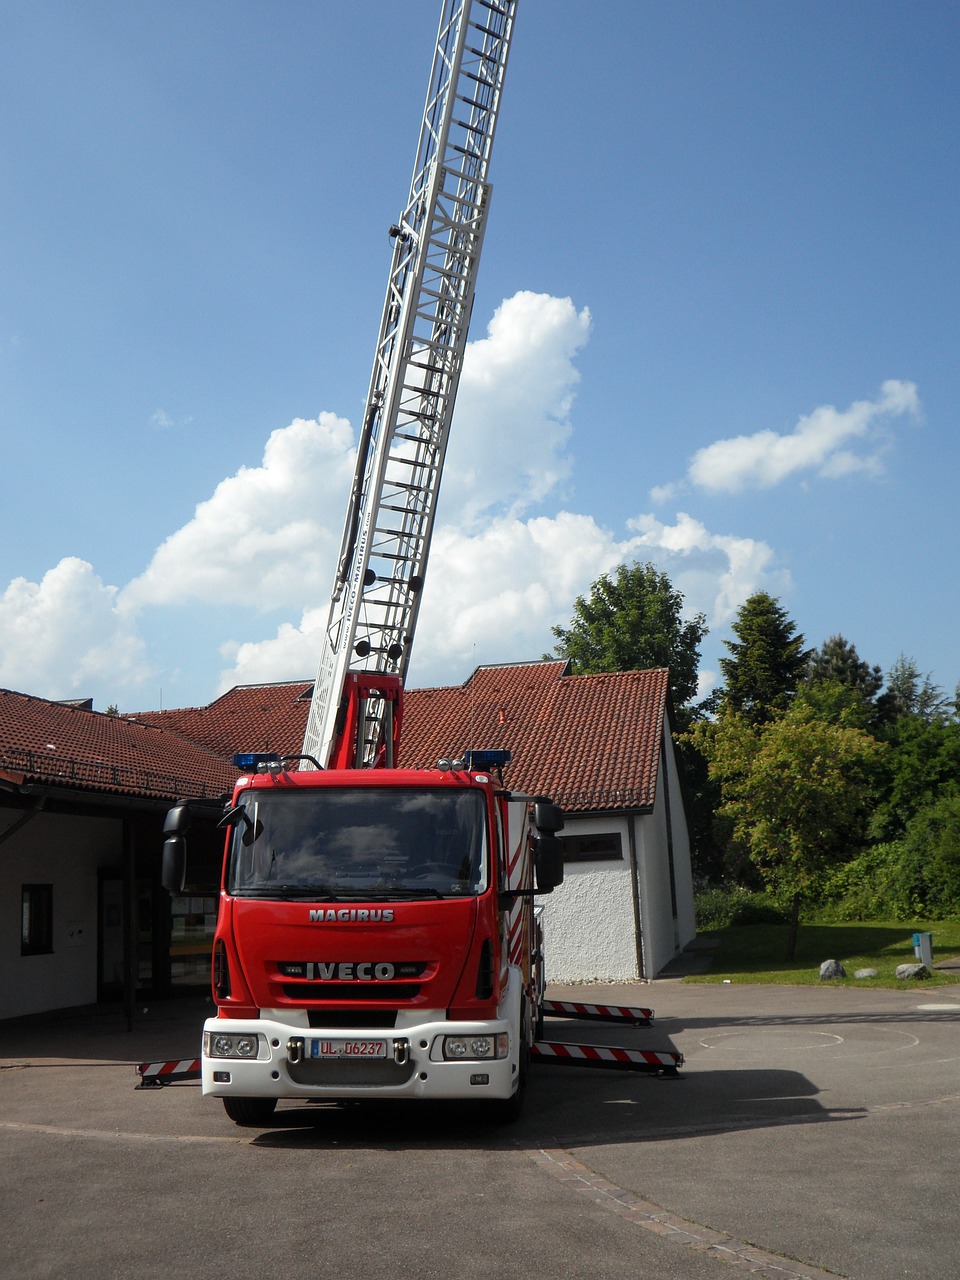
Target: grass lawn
[{"x": 755, "y": 953}]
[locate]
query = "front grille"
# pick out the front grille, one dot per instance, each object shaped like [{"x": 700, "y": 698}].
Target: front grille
[
  {"x": 349, "y": 1019},
  {"x": 352, "y": 1072},
  {"x": 354, "y": 992}
]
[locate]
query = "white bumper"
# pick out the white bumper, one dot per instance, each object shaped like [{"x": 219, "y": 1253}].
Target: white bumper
[{"x": 288, "y": 1064}]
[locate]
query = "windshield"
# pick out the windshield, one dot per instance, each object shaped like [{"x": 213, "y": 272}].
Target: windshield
[{"x": 359, "y": 843}]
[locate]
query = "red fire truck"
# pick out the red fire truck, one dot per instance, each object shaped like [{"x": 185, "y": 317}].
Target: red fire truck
[{"x": 377, "y": 936}]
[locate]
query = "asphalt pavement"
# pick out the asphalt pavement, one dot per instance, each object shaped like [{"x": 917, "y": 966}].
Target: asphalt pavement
[{"x": 812, "y": 1131}]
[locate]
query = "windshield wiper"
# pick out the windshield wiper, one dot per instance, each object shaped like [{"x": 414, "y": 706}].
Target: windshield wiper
[
  {"x": 389, "y": 893},
  {"x": 289, "y": 892}
]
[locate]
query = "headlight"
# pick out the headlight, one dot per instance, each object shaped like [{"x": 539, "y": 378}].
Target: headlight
[
  {"x": 220, "y": 1044},
  {"x": 474, "y": 1048}
]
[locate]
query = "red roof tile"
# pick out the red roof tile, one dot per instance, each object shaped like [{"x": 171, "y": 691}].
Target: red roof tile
[
  {"x": 591, "y": 742},
  {"x": 66, "y": 745},
  {"x": 252, "y": 717}
]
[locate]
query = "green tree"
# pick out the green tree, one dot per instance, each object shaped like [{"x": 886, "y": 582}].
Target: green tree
[
  {"x": 922, "y": 765},
  {"x": 767, "y": 661},
  {"x": 837, "y": 660},
  {"x": 796, "y": 792},
  {"x": 633, "y": 621},
  {"x": 837, "y": 703},
  {"x": 911, "y": 693},
  {"x": 932, "y": 842}
]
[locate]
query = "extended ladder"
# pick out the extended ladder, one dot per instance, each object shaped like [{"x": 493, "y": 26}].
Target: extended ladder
[{"x": 416, "y": 371}]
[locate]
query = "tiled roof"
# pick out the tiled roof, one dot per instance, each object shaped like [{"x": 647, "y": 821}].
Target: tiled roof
[
  {"x": 591, "y": 742},
  {"x": 65, "y": 745},
  {"x": 250, "y": 717}
]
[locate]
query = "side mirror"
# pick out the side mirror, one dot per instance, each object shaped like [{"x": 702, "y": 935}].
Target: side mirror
[
  {"x": 173, "y": 869},
  {"x": 547, "y": 816},
  {"x": 548, "y": 862},
  {"x": 177, "y": 821}
]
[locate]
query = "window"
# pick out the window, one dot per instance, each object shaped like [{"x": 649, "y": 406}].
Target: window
[
  {"x": 36, "y": 919},
  {"x": 601, "y": 846}
]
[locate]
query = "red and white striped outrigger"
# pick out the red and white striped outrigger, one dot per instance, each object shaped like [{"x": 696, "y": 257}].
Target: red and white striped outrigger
[
  {"x": 597, "y": 1012},
  {"x": 180, "y": 1071},
  {"x": 611, "y": 1057}
]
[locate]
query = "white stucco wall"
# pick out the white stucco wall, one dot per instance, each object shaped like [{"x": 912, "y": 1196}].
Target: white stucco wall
[
  {"x": 588, "y": 921},
  {"x": 65, "y": 852}
]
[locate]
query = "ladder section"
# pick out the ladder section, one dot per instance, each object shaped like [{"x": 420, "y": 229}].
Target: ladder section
[{"x": 416, "y": 370}]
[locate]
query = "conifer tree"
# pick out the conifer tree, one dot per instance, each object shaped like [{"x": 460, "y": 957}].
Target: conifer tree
[{"x": 767, "y": 661}]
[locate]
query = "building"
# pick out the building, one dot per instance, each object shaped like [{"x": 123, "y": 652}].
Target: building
[
  {"x": 82, "y": 801},
  {"x": 83, "y": 796}
]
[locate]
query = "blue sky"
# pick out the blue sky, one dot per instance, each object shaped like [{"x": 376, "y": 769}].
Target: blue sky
[{"x": 716, "y": 328}]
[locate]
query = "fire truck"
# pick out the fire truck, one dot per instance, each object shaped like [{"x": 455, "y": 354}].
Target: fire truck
[{"x": 377, "y": 933}]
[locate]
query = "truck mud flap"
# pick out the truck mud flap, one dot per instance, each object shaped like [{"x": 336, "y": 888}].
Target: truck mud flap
[
  {"x": 597, "y": 1012},
  {"x": 154, "y": 1075},
  {"x": 606, "y": 1057}
]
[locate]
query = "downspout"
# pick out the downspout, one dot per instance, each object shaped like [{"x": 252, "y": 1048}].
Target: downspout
[
  {"x": 669, "y": 821},
  {"x": 635, "y": 893},
  {"x": 129, "y": 922}
]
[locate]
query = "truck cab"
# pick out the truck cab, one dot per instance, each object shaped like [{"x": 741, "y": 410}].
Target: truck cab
[{"x": 376, "y": 936}]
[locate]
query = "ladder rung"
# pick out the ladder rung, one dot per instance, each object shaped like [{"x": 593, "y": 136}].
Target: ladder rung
[{"x": 487, "y": 31}]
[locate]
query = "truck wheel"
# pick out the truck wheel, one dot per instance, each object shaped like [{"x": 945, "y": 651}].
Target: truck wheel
[
  {"x": 254, "y": 1112},
  {"x": 508, "y": 1110}
]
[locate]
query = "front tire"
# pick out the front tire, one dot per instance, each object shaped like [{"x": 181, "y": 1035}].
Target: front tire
[
  {"x": 250, "y": 1112},
  {"x": 508, "y": 1110}
]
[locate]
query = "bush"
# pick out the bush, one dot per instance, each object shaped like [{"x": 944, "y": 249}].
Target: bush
[
  {"x": 719, "y": 906},
  {"x": 912, "y": 878},
  {"x": 874, "y": 886}
]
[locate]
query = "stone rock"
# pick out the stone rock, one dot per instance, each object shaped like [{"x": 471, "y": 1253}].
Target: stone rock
[
  {"x": 907, "y": 971},
  {"x": 831, "y": 969},
  {"x": 865, "y": 973}
]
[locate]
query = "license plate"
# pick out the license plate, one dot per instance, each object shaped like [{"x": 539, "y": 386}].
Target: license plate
[{"x": 348, "y": 1048}]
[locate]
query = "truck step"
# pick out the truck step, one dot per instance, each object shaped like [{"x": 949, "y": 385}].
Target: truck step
[
  {"x": 154, "y": 1075},
  {"x": 608, "y": 1057},
  {"x": 597, "y": 1012}
]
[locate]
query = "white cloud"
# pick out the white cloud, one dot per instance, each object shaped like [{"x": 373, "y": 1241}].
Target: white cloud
[
  {"x": 819, "y": 443},
  {"x": 266, "y": 537},
  {"x": 493, "y": 594},
  {"x": 715, "y": 572},
  {"x": 501, "y": 575},
  {"x": 67, "y": 636},
  {"x": 516, "y": 393}
]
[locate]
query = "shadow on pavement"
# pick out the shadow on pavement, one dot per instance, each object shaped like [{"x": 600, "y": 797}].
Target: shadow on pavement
[{"x": 568, "y": 1109}]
